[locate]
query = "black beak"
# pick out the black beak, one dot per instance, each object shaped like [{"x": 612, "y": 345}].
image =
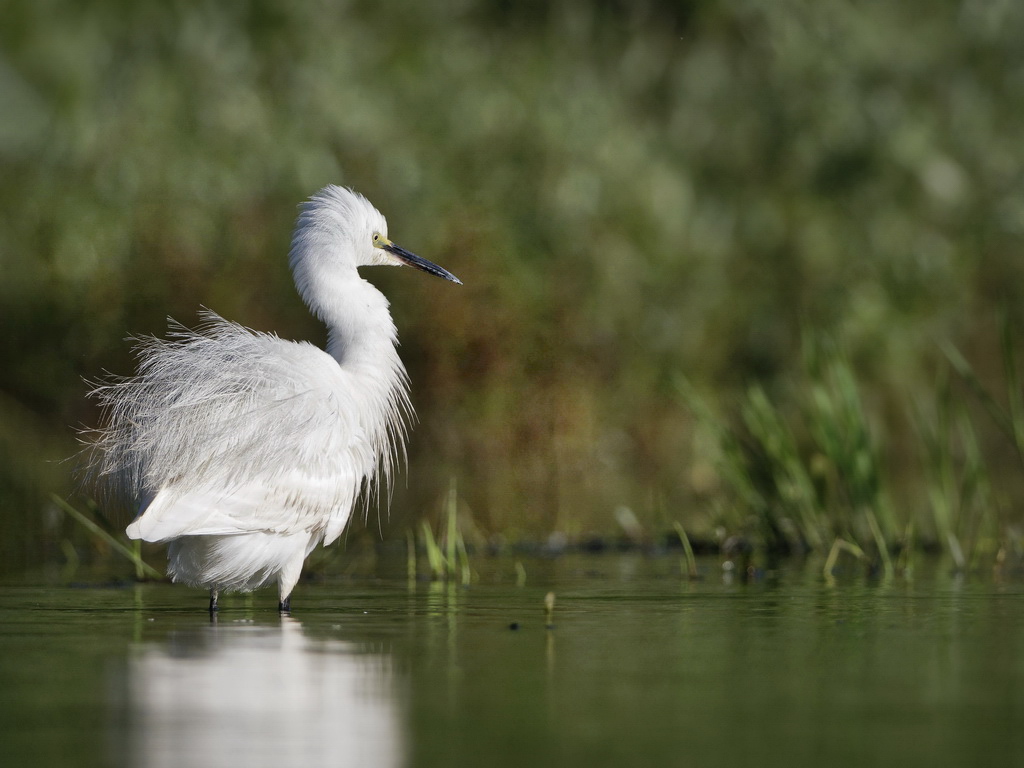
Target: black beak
[{"x": 419, "y": 262}]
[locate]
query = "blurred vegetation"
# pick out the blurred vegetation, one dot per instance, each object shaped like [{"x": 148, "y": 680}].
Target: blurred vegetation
[{"x": 634, "y": 193}]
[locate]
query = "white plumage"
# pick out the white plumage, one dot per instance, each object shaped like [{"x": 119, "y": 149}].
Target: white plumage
[{"x": 244, "y": 451}]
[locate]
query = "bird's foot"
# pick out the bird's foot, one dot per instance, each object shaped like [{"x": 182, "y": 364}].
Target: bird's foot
[
  {"x": 213, "y": 602},
  {"x": 285, "y": 606}
]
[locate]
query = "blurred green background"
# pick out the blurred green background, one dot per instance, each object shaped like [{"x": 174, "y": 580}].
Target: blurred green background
[{"x": 653, "y": 206}]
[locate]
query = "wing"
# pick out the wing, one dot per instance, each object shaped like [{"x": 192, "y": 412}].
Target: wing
[
  {"x": 291, "y": 501},
  {"x": 223, "y": 422}
]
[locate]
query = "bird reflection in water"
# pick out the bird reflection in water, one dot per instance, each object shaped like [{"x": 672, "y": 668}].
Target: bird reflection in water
[{"x": 245, "y": 695}]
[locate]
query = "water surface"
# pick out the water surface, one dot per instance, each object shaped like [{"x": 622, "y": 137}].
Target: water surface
[{"x": 640, "y": 668}]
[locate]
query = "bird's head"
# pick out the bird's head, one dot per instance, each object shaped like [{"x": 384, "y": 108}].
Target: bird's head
[{"x": 342, "y": 226}]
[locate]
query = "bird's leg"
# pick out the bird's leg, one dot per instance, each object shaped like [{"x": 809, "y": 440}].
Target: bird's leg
[
  {"x": 286, "y": 580},
  {"x": 213, "y": 601}
]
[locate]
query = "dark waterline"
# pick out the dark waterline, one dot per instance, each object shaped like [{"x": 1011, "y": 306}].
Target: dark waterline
[{"x": 641, "y": 668}]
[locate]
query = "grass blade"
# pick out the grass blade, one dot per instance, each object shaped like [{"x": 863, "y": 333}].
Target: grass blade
[
  {"x": 141, "y": 567},
  {"x": 691, "y": 561}
]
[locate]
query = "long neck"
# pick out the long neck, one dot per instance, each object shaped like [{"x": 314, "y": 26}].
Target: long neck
[
  {"x": 360, "y": 329},
  {"x": 362, "y": 339}
]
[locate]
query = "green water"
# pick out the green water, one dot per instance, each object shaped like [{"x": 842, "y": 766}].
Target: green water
[{"x": 640, "y": 668}]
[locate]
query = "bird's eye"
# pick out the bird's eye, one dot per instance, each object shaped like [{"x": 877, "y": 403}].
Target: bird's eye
[{"x": 376, "y": 239}]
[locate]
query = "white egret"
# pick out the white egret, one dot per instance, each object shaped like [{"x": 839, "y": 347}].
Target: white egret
[{"x": 243, "y": 451}]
